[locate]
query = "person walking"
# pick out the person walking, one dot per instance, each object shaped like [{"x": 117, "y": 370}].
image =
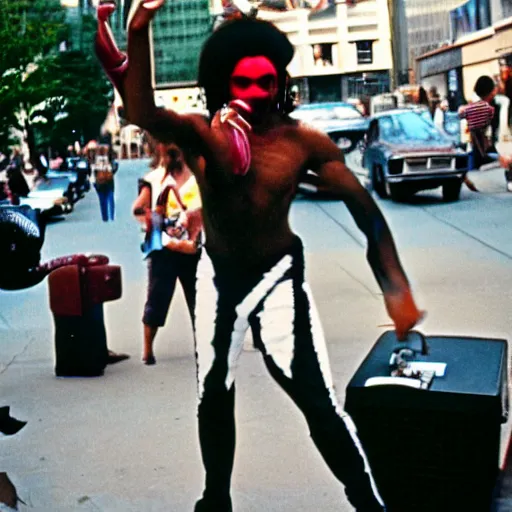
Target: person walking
[{"x": 103, "y": 180}]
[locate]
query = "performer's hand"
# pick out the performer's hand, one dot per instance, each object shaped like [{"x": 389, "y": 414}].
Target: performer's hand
[
  {"x": 144, "y": 13},
  {"x": 105, "y": 9},
  {"x": 403, "y": 311},
  {"x": 231, "y": 130}
]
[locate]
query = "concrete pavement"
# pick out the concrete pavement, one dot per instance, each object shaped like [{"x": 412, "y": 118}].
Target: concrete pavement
[{"x": 127, "y": 441}]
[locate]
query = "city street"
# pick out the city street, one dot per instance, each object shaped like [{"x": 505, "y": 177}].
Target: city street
[{"x": 127, "y": 441}]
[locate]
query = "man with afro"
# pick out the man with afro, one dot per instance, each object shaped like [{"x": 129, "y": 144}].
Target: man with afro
[{"x": 248, "y": 158}]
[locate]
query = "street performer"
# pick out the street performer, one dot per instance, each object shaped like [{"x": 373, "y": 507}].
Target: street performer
[{"x": 248, "y": 160}]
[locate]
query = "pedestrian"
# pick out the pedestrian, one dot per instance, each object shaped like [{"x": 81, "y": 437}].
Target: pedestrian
[
  {"x": 103, "y": 179},
  {"x": 479, "y": 116},
  {"x": 248, "y": 159},
  {"x": 501, "y": 116},
  {"x": 506, "y": 78},
  {"x": 170, "y": 190},
  {"x": 434, "y": 101}
]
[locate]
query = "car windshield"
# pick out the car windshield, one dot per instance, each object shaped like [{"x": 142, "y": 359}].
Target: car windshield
[
  {"x": 309, "y": 114},
  {"x": 409, "y": 126}
]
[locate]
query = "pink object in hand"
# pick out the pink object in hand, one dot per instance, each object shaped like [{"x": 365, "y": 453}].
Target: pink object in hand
[{"x": 238, "y": 129}]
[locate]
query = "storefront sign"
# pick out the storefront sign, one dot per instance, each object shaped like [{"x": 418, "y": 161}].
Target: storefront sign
[{"x": 440, "y": 62}]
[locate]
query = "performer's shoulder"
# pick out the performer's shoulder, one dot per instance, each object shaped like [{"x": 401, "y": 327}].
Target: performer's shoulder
[{"x": 198, "y": 119}]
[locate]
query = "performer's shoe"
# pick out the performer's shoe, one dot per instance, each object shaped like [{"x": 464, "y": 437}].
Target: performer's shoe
[
  {"x": 113, "y": 357},
  {"x": 204, "y": 506}
]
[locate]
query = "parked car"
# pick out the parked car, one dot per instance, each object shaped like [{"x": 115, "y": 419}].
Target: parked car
[
  {"x": 341, "y": 121},
  {"x": 53, "y": 196},
  {"x": 344, "y": 124},
  {"x": 406, "y": 153}
]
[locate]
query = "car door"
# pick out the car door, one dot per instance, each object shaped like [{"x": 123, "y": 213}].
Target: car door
[{"x": 372, "y": 136}]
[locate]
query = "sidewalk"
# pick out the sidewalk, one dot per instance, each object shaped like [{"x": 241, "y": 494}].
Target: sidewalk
[{"x": 127, "y": 441}]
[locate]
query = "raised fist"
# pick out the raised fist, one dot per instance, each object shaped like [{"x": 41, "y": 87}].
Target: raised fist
[
  {"x": 144, "y": 13},
  {"x": 105, "y": 9}
]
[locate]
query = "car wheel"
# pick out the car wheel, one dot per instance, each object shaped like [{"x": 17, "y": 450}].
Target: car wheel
[
  {"x": 451, "y": 190},
  {"x": 399, "y": 192},
  {"x": 379, "y": 182}
]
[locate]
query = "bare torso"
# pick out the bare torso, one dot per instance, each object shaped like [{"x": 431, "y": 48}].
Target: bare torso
[{"x": 246, "y": 217}]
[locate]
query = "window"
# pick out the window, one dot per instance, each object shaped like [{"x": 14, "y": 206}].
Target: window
[
  {"x": 364, "y": 52},
  {"x": 322, "y": 55}
]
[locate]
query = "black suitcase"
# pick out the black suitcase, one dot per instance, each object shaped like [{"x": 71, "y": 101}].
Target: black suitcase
[
  {"x": 81, "y": 344},
  {"x": 432, "y": 442}
]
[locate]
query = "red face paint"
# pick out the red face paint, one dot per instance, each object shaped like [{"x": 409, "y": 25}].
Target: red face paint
[{"x": 254, "y": 80}]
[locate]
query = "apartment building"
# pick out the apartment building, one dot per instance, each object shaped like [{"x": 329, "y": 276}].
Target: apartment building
[
  {"x": 179, "y": 30},
  {"x": 341, "y": 52},
  {"x": 428, "y": 26},
  {"x": 482, "y": 41},
  {"x": 434, "y": 24}
]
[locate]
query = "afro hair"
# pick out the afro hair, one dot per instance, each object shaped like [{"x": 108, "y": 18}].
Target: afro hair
[{"x": 232, "y": 41}]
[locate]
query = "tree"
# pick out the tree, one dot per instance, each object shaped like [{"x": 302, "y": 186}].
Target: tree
[
  {"x": 80, "y": 103},
  {"x": 29, "y": 31},
  {"x": 54, "y": 96}
]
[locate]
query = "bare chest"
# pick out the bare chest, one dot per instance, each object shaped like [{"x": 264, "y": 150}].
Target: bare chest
[{"x": 276, "y": 164}]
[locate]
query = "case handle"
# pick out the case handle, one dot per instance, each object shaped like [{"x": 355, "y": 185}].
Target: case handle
[{"x": 415, "y": 342}]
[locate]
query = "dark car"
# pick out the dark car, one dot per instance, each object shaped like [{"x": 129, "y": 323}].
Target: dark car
[
  {"x": 341, "y": 121},
  {"x": 77, "y": 170},
  {"x": 344, "y": 124},
  {"x": 406, "y": 153}
]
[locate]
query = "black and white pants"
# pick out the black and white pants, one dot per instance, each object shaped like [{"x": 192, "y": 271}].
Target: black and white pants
[{"x": 276, "y": 303}]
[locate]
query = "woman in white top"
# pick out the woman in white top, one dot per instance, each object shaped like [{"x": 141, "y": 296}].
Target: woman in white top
[{"x": 170, "y": 191}]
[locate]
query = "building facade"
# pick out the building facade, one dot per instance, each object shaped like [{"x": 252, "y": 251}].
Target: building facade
[
  {"x": 341, "y": 52},
  {"x": 179, "y": 30},
  {"x": 429, "y": 26},
  {"x": 454, "y": 69}
]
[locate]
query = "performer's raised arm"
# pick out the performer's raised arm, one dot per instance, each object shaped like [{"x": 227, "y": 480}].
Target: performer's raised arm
[{"x": 131, "y": 76}]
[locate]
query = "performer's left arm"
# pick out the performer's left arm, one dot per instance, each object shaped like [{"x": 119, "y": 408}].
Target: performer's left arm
[{"x": 328, "y": 162}]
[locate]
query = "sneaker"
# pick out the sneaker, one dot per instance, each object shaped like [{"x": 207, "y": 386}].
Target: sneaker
[{"x": 509, "y": 186}]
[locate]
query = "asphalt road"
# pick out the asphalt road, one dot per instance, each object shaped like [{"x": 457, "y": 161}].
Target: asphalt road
[{"x": 127, "y": 441}]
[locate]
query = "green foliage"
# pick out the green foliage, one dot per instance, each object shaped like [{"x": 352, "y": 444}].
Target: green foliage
[
  {"x": 88, "y": 95},
  {"x": 60, "y": 91},
  {"x": 27, "y": 29}
]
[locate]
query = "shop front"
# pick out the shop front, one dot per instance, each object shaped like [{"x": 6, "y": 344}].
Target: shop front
[
  {"x": 479, "y": 58},
  {"x": 442, "y": 69},
  {"x": 338, "y": 87},
  {"x": 504, "y": 41}
]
